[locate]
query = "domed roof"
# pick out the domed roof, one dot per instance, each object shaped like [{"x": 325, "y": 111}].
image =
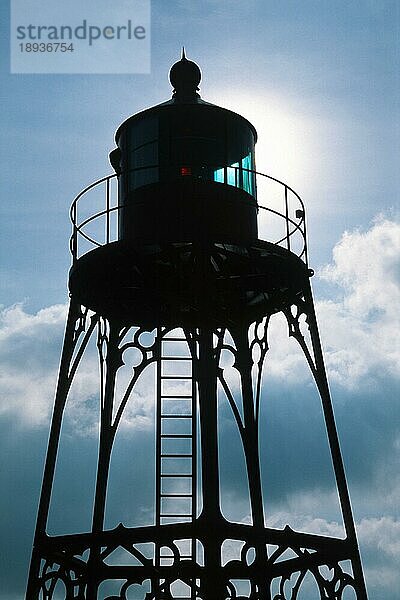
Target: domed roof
[{"x": 185, "y": 77}]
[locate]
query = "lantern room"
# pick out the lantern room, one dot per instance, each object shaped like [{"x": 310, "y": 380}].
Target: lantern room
[{"x": 186, "y": 169}]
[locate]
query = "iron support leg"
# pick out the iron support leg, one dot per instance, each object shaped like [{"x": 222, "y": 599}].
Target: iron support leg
[
  {"x": 206, "y": 374},
  {"x": 113, "y": 362},
  {"x": 337, "y": 460},
  {"x": 63, "y": 386},
  {"x": 250, "y": 438}
]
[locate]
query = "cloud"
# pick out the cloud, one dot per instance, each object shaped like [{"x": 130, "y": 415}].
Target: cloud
[
  {"x": 29, "y": 352},
  {"x": 360, "y": 327},
  {"x": 378, "y": 540},
  {"x": 30, "y": 349}
]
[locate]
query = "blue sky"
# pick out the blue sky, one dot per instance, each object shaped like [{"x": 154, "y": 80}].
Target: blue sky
[{"x": 318, "y": 80}]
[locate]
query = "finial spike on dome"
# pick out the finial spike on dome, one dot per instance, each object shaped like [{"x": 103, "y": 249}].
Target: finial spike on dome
[{"x": 185, "y": 77}]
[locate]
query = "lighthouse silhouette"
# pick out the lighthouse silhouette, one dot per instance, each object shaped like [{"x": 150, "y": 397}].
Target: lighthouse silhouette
[{"x": 169, "y": 268}]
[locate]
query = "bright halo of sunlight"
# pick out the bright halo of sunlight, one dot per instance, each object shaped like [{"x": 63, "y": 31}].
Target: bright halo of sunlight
[
  {"x": 287, "y": 142},
  {"x": 286, "y": 149}
]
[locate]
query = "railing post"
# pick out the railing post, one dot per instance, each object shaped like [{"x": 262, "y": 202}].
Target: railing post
[
  {"x": 287, "y": 219},
  {"x": 108, "y": 210},
  {"x": 75, "y": 233},
  {"x": 305, "y": 238}
]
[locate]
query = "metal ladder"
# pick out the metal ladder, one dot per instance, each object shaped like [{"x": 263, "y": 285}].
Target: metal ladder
[{"x": 176, "y": 441}]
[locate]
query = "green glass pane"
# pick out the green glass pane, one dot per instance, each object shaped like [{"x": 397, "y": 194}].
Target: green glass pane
[
  {"x": 219, "y": 175},
  {"x": 233, "y": 175},
  {"x": 247, "y": 176}
]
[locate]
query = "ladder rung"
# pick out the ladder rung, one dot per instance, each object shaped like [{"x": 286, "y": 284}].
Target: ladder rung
[
  {"x": 176, "y": 416},
  {"x": 176, "y": 455},
  {"x": 176, "y": 475},
  {"x": 177, "y": 435},
  {"x": 174, "y": 358},
  {"x": 176, "y": 396},
  {"x": 169, "y": 515},
  {"x": 176, "y": 495},
  {"x": 186, "y": 377}
]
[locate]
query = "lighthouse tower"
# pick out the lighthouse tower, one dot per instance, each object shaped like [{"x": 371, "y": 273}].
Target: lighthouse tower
[{"x": 170, "y": 265}]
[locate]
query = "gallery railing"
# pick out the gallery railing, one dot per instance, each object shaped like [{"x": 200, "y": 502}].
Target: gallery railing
[{"x": 281, "y": 214}]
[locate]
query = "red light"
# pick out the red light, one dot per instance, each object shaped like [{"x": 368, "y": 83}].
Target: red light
[{"x": 186, "y": 171}]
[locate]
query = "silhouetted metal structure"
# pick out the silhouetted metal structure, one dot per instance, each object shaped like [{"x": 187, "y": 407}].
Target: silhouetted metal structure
[{"x": 172, "y": 267}]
